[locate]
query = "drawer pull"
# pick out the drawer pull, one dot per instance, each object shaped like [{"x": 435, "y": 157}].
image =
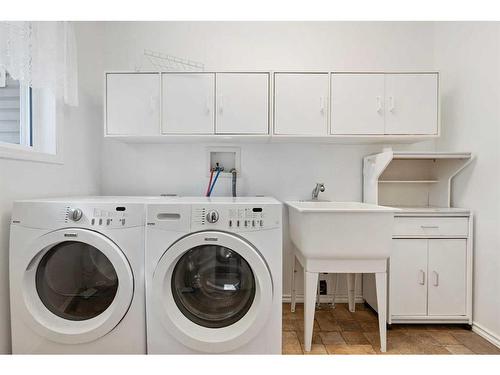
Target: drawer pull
[
  {"x": 421, "y": 280},
  {"x": 436, "y": 278},
  {"x": 429, "y": 226}
]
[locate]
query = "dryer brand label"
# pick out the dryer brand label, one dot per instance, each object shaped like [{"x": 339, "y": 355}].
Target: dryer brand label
[{"x": 70, "y": 235}]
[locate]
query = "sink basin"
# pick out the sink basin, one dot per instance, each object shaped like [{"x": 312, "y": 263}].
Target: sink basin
[{"x": 341, "y": 230}]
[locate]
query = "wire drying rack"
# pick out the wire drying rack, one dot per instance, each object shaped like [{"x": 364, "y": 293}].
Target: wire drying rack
[{"x": 164, "y": 62}]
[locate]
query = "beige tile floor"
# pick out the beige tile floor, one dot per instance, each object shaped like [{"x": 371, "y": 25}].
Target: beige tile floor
[{"x": 338, "y": 331}]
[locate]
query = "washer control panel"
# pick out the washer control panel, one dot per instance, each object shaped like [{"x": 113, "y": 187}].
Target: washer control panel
[{"x": 235, "y": 218}]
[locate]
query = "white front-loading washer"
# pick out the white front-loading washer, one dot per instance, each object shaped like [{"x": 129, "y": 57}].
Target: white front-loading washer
[
  {"x": 213, "y": 276},
  {"x": 77, "y": 276}
]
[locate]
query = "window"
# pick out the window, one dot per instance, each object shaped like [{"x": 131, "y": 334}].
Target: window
[
  {"x": 27, "y": 122},
  {"x": 16, "y": 125}
]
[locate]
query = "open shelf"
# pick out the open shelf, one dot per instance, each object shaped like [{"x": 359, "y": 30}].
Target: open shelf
[{"x": 411, "y": 179}]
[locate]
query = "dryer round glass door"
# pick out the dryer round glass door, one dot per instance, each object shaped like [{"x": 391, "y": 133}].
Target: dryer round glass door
[
  {"x": 76, "y": 281},
  {"x": 77, "y": 286},
  {"x": 212, "y": 291}
]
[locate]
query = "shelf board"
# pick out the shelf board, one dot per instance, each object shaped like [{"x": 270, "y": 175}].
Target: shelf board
[
  {"x": 408, "y": 181},
  {"x": 431, "y": 155}
]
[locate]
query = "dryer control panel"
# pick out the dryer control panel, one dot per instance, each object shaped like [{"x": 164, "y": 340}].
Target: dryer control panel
[
  {"x": 235, "y": 218},
  {"x": 78, "y": 214}
]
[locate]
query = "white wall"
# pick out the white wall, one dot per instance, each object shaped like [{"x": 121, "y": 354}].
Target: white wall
[
  {"x": 80, "y": 173},
  {"x": 286, "y": 171},
  {"x": 468, "y": 55}
]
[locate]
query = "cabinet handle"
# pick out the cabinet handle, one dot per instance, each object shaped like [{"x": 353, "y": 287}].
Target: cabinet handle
[
  {"x": 429, "y": 226},
  {"x": 322, "y": 105},
  {"x": 207, "y": 105},
  {"x": 379, "y": 104},
  {"x": 421, "y": 280},
  {"x": 436, "y": 278},
  {"x": 392, "y": 104},
  {"x": 221, "y": 104}
]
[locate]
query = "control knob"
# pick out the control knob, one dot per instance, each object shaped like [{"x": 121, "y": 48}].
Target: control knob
[
  {"x": 75, "y": 214},
  {"x": 212, "y": 216}
]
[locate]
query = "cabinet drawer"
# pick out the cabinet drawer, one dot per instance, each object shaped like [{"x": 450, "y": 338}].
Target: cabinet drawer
[{"x": 431, "y": 226}]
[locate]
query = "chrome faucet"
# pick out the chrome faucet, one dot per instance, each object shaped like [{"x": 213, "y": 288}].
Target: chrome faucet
[{"x": 320, "y": 187}]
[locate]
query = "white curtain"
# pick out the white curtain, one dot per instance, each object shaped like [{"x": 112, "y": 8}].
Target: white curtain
[{"x": 41, "y": 55}]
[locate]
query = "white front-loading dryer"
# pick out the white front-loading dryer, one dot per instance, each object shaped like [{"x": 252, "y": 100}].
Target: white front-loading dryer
[
  {"x": 77, "y": 277},
  {"x": 213, "y": 276}
]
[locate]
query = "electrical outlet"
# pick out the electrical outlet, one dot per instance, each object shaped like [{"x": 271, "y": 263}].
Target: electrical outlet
[{"x": 322, "y": 287}]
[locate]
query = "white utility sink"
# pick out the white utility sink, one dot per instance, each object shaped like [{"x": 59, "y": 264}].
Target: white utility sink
[
  {"x": 341, "y": 230},
  {"x": 340, "y": 237}
]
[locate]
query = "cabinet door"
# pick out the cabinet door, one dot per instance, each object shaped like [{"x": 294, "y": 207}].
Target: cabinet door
[
  {"x": 132, "y": 104},
  {"x": 301, "y": 104},
  {"x": 447, "y": 276},
  {"x": 242, "y": 103},
  {"x": 188, "y": 103},
  {"x": 357, "y": 104},
  {"x": 408, "y": 277},
  {"x": 411, "y": 102}
]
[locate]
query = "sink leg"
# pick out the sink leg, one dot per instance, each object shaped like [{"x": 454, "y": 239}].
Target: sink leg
[
  {"x": 351, "y": 291},
  {"x": 310, "y": 286},
  {"x": 381, "y": 286},
  {"x": 334, "y": 279},
  {"x": 294, "y": 289}
]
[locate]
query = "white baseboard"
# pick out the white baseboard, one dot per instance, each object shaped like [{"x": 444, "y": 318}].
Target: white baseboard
[
  {"x": 323, "y": 298},
  {"x": 486, "y": 334}
]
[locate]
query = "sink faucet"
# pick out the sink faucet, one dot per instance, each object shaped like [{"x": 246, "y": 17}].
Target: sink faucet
[{"x": 320, "y": 187}]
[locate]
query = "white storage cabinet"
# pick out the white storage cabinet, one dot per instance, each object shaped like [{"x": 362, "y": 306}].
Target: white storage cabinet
[
  {"x": 242, "y": 103},
  {"x": 384, "y": 104},
  {"x": 188, "y": 103},
  {"x": 132, "y": 104},
  {"x": 430, "y": 267},
  {"x": 301, "y": 104}
]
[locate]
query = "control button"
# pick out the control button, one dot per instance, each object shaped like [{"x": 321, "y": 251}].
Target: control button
[
  {"x": 123, "y": 222},
  {"x": 246, "y": 223},
  {"x": 108, "y": 221},
  {"x": 75, "y": 214},
  {"x": 230, "y": 223},
  {"x": 237, "y": 223},
  {"x": 253, "y": 223},
  {"x": 100, "y": 221},
  {"x": 92, "y": 221},
  {"x": 212, "y": 216},
  {"x": 261, "y": 222}
]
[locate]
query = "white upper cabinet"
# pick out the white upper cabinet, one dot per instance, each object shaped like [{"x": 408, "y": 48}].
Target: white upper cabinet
[
  {"x": 301, "y": 104},
  {"x": 242, "y": 103},
  {"x": 411, "y": 102},
  {"x": 188, "y": 103},
  {"x": 327, "y": 105},
  {"x": 357, "y": 104},
  {"x": 132, "y": 104}
]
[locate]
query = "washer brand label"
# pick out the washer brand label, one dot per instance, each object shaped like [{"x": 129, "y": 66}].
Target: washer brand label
[
  {"x": 70, "y": 235},
  {"x": 212, "y": 239},
  {"x": 151, "y": 224},
  {"x": 16, "y": 221}
]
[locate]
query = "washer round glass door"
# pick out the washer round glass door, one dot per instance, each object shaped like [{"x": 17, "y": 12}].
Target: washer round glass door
[
  {"x": 77, "y": 286},
  {"x": 212, "y": 291},
  {"x": 213, "y": 286}
]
